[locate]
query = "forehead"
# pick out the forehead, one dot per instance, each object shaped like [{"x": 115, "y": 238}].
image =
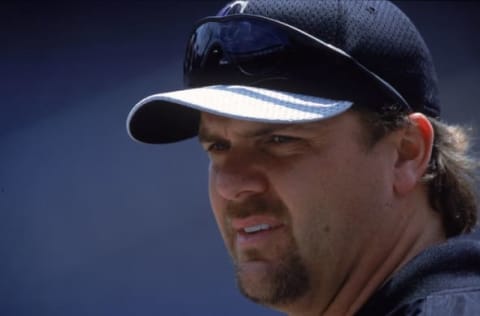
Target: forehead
[{"x": 215, "y": 125}]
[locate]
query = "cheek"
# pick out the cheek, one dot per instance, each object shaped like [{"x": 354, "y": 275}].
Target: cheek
[
  {"x": 304, "y": 191},
  {"x": 215, "y": 200},
  {"x": 332, "y": 201}
]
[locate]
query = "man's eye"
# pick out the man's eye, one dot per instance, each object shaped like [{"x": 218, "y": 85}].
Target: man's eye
[
  {"x": 281, "y": 139},
  {"x": 217, "y": 146}
]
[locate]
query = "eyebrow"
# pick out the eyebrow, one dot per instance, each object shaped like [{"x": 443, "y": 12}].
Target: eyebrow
[{"x": 206, "y": 136}]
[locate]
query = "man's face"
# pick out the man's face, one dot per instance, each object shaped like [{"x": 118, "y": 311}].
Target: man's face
[{"x": 298, "y": 206}]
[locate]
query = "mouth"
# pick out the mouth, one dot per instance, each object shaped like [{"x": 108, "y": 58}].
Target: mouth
[
  {"x": 256, "y": 228},
  {"x": 255, "y": 231}
]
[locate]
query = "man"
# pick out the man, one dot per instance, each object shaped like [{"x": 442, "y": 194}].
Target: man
[{"x": 335, "y": 185}]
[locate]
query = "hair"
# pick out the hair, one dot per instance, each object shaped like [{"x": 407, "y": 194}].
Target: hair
[{"x": 451, "y": 174}]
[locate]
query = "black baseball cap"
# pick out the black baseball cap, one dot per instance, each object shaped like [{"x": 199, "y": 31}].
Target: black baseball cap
[{"x": 283, "y": 61}]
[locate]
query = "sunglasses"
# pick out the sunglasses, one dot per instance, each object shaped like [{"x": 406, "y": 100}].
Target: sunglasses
[{"x": 262, "y": 52}]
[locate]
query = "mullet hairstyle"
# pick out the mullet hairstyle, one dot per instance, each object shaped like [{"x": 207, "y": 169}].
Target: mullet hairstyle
[{"x": 451, "y": 173}]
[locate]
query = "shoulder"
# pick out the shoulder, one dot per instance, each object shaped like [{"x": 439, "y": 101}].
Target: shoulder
[
  {"x": 442, "y": 280},
  {"x": 458, "y": 302}
]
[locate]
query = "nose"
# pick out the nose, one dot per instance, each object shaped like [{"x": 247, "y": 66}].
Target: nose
[{"x": 237, "y": 179}]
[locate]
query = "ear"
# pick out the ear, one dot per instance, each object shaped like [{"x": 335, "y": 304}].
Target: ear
[{"x": 414, "y": 150}]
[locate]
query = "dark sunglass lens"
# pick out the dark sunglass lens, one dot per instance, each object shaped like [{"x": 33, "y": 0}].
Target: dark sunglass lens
[{"x": 255, "y": 47}]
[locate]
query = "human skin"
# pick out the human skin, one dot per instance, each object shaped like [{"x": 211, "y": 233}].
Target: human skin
[{"x": 352, "y": 214}]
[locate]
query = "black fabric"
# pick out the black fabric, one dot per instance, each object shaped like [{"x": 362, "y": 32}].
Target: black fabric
[
  {"x": 442, "y": 280},
  {"x": 252, "y": 50},
  {"x": 376, "y": 33},
  {"x": 161, "y": 122}
]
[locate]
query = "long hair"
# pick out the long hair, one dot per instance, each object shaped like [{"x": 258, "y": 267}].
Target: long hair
[{"x": 451, "y": 173}]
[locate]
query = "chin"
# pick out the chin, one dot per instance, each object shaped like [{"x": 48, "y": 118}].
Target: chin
[{"x": 273, "y": 284}]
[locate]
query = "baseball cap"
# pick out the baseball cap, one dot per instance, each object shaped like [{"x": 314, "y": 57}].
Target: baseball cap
[{"x": 283, "y": 61}]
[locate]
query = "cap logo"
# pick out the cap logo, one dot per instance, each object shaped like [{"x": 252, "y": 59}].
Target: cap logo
[{"x": 235, "y": 7}]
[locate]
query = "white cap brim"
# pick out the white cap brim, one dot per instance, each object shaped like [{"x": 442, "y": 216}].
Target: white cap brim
[{"x": 160, "y": 118}]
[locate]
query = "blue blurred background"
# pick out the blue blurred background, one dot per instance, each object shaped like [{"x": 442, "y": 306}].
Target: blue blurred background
[{"x": 92, "y": 223}]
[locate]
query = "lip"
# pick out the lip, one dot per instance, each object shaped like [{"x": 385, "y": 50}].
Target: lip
[
  {"x": 246, "y": 240},
  {"x": 241, "y": 223}
]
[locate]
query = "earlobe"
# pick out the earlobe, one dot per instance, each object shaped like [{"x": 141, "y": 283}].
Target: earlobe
[{"x": 414, "y": 153}]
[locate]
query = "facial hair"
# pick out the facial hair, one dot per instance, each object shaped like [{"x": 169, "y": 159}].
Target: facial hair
[{"x": 288, "y": 278}]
